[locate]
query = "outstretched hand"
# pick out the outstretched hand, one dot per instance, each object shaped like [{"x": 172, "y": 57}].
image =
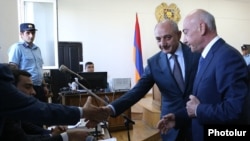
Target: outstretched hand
[
  {"x": 92, "y": 114},
  {"x": 58, "y": 130},
  {"x": 166, "y": 123}
]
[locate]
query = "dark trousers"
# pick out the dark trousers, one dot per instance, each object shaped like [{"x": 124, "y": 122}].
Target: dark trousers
[{"x": 40, "y": 96}]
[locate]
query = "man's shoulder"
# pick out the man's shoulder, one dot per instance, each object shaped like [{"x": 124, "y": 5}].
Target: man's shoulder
[
  {"x": 4, "y": 67},
  {"x": 5, "y": 73},
  {"x": 155, "y": 56},
  {"x": 16, "y": 45}
]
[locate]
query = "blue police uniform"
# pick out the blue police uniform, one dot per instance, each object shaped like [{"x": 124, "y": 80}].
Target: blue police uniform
[{"x": 28, "y": 57}]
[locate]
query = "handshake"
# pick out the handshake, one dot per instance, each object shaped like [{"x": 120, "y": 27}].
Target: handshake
[{"x": 92, "y": 116}]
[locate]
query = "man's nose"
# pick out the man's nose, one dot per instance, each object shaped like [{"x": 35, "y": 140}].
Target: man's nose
[
  {"x": 162, "y": 43},
  {"x": 185, "y": 40},
  {"x": 33, "y": 92}
]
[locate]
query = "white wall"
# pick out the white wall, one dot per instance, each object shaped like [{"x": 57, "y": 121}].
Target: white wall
[
  {"x": 106, "y": 28},
  {"x": 9, "y": 28}
]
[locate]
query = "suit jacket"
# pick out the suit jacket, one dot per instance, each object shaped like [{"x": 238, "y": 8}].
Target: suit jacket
[
  {"x": 158, "y": 71},
  {"x": 222, "y": 87},
  {"x": 34, "y": 129},
  {"x": 13, "y": 131},
  {"x": 17, "y": 106}
]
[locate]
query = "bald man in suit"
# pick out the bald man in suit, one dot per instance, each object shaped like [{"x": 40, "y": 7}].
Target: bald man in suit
[{"x": 221, "y": 89}]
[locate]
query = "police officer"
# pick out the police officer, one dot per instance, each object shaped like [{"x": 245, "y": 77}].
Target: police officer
[
  {"x": 246, "y": 54},
  {"x": 27, "y": 56}
]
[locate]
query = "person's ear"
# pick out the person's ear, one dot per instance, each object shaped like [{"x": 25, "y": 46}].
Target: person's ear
[{"x": 202, "y": 28}]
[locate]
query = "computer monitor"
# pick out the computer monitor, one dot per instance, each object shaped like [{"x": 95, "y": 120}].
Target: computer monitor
[{"x": 95, "y": 81}]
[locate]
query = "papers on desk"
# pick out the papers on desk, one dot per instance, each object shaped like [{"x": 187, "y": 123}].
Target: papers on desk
[
  {"x": 111, "y": 139},
  {"x": 82, "y": 125}
]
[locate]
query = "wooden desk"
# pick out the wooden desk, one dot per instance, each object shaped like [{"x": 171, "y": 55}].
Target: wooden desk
[{"x": 79, "y": 99}]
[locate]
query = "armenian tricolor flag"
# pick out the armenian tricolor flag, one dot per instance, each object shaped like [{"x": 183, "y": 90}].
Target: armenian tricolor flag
[{"x": 138, "y": 52}]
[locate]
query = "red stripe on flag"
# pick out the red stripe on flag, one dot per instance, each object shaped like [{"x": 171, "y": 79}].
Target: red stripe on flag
[{"x": 138, "y": 51}]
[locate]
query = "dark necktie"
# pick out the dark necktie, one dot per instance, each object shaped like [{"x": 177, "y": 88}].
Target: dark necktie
[
  {"x": 201, "y": 61},
  {"x": 177, "y": 73}
]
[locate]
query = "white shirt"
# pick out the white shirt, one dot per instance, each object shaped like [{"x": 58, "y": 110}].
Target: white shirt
[{"x": 180, "y": 58}]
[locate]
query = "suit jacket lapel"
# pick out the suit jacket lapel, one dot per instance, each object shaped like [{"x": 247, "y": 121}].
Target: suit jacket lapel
[
  {"x": 202, "y": 71},
  {"x": 163, "y": 62},
  {"x": 206, "y": 63},
  {"x": 187, "y": 61},
  {"x": 164, "y": 65}
]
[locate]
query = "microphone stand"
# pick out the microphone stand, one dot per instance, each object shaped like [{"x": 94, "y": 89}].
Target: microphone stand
[
  {"x": 127, "y": 119},
  {"x": 96, "y": 132},
  {"x": 105, "y": 122},
  {"x": 93, "y": 94},
  {"x": 127, "y": 122}
]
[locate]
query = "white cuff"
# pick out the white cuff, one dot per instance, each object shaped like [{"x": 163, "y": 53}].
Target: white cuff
[{"x": 64, "y": 136}]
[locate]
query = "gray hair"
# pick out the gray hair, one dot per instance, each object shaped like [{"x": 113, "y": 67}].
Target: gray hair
[
  {"x": 208, "y": 18},
  {"x": 173, "y": 24}
]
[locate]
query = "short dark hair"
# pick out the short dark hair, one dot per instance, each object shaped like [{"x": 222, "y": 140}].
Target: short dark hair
[
  {"x": 244, "y": 47},
  {"x": 88, "y": 63},
  {"x": 16, "y": 73}
]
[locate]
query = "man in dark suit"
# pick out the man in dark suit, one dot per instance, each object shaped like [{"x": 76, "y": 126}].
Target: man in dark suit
[
  {"x": 16, "y": 130},
  {"x": 160, "y": 72},
  {"x": 221, "y": 85},
  {"x": 17, "y": 106}
]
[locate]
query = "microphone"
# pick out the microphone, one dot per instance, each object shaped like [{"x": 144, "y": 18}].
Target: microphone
[
  {"x": 106, "y": 98},
  {"x": 91, "y": 93},
  {"x": 63, "y": 68},
  {"x": 105, "y": 102}
]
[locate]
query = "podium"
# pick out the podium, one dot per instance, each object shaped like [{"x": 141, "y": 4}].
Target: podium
[{"x": 79, "y": 99}]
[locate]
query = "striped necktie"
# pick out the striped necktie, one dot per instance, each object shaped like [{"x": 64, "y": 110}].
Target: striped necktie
[{"x": 178, "y": 74}]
